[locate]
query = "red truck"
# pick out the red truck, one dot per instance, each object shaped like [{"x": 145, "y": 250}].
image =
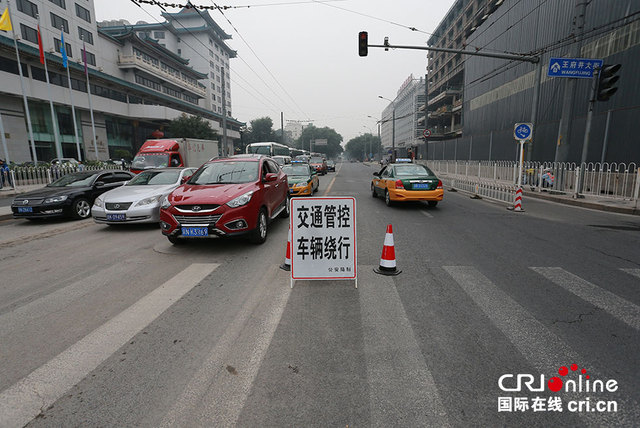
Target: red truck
[{"x": 174, "y": 152}]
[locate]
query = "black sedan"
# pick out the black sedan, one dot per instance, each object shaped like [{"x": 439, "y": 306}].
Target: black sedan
[{"x": 71, "y": 195}]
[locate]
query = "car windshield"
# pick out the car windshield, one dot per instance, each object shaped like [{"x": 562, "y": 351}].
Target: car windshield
[
  {"x": 153, "y": 177},
  {"x": 316, "y": 160},
  {"x": 295, "y": 170},
  {"x": 148, "y": 160},
  {"x": 74, "y": 180},
  {"x": 225, "y": 173},
  {"x": 409, "y": 170}
]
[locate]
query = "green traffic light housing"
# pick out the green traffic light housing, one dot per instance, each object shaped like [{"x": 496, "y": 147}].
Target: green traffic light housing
[
  {"x": 606, "y": 79},
  {"x": 363, "y": 43}
]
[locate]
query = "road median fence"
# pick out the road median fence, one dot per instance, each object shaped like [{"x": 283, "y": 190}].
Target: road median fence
[
  {"x": 615, "y": 181},
  {"x": 31, "y": 176}
]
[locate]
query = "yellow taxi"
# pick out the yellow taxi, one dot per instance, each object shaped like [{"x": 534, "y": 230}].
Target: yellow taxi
[
  {"x": 405, "y": 181},
  {"x": 303, "y": 180}
]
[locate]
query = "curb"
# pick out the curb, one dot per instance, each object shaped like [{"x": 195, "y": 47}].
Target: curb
[{"x": 583, "y": 204}]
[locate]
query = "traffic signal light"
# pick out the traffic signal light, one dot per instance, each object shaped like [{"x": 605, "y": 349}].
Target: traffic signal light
[
  {"x": 363, "y": 43},
  {"x": 606, "y": 79}
]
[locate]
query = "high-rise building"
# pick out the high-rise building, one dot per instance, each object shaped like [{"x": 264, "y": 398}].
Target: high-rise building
[{"x": 138, "y": 81}]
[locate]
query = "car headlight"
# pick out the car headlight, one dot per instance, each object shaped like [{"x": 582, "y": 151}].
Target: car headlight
[
  {"x": 55, "y": 199},
  {"x": 151, "y": 200},
  {"x": 165, "y": 203},
  {"x": 99, "y": 202},
  {"x": 240, "y": 200}
]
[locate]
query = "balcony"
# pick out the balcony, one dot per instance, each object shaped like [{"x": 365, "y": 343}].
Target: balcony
[
  {"x": 132, "y": 61},
  {"x": 447, "y": 92}
]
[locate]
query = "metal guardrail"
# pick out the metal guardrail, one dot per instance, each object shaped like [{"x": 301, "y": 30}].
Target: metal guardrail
[
  {"x": 605, "y": 180},
  {"x": 29, "y": 176}
]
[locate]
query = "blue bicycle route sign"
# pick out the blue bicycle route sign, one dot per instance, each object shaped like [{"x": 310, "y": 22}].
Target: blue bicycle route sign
[
  {"x": 573, "y": 67},
  {"x": 522, "y": 131}
]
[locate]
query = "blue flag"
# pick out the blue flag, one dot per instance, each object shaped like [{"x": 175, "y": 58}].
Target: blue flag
[{"x": 63, "y": 50}]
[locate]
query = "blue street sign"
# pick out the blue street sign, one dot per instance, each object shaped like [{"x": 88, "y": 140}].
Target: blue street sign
[
  {"x": 522, "y": 131},
  {"x": 573, "y": 67}
]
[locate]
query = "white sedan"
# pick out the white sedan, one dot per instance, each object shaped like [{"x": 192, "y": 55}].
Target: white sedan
[{"x": 139, "y": 200}]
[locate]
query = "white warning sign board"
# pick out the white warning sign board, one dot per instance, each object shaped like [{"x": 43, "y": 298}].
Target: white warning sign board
[{"x": 323, "y": 238}]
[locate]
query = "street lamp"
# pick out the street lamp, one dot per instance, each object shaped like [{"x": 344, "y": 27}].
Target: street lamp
[
  {"x": 393, "y": 127},
  {"x": 379, "y": 123}
]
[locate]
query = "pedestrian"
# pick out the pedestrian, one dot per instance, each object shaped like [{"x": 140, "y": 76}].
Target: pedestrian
[
  {"x": 411, "y": 155},
  {"x": 5, "y": 174}
]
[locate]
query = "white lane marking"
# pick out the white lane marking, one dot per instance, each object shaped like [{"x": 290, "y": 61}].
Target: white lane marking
[
  {"x": 427, "y": 214},
  {"x": 58, "y": 299},
  {"x": 326, "y": 192},
  {"x": 540, "y": 347},
  {"x": 634, "y": 272},
  {"x": 620, "y": 308},
  {"x": 215, "y": 397},
  {"x": 23, "y": 401},
  {"x": 401, "y": 387}
]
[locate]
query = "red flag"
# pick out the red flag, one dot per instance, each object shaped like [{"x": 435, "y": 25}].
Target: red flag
[
  {"x": 84, "y": 57},
  {"x": 40, "y": 46}
]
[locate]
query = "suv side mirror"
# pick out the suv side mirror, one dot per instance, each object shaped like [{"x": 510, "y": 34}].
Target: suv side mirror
[
  {"x": 185, "y": 179},
  {"x": 271, "y": 177},
  {"x": 377, "y": 174},
  {"x": 99, "y": 184}
]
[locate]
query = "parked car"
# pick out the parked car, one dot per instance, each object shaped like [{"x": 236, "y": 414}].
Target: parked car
[
  {"x": 64, "y": 162},
  {"x": 303, "y": 180},
  {"x": 331, "y": 165},
  {"x": 71, "y": 195},
  {"x": 138, "y": 201},
  {"x": 399, "y": 181},
  {"x": 230, "y": 196},
  {"x": 319, "y": 164}
]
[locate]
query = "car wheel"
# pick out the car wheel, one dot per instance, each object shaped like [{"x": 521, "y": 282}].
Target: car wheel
[
  {"x": 175, "y": 240},
  {"x": 387, "y": 198},
  {"x": 373, "y": 191},
  {"x": 259, "y": 234},
  {"x": 81, "y": 208},
  {"x": 432, "y": 203},
  {"x": 285, "y": 211}
]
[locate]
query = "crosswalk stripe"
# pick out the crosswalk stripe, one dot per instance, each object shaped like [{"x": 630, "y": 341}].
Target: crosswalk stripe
[
  {"x": 23, "y": 401},
  {"x": 634, "y": 272},
  {"x": 405, "y": 389},
  {"x": 540, "y": 347},
  {"x": 213, "y": 397},
  {"x": 620, "y": 308}
]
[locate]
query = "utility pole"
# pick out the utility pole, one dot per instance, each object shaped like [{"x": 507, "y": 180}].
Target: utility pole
[
  {"x": 224, "y": 114},
  {"x": 282, "y": 128},
  {"x": 426, "y": 114},
  {"x": 564, "y": 131}
]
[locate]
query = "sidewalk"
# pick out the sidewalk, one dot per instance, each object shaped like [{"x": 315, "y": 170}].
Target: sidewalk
[{"x": 597, "y": 203}]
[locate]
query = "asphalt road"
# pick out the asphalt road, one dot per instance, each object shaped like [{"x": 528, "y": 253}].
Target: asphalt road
[{"x": 104, "y": 326}]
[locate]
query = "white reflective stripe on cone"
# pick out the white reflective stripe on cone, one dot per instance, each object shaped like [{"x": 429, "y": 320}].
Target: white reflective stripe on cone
[
  {"x": 388, "y": 240},
  {"x": 387, "y": 263}
]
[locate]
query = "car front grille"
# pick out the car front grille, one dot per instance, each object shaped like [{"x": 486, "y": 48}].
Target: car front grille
[
  {"x": 197, "y": 219},
  {"x": 200, "y": 208},
  {"x": 118, "y": 206},
  {"x": 31, "y": 202}
]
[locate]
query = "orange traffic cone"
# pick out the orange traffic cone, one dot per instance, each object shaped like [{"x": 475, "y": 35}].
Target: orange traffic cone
[
  {"x": 287, "y": 257},
  {"x": 388, "y": 259}
]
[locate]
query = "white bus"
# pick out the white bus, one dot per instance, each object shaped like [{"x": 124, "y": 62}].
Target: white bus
[{"x": 268, "y": 148}]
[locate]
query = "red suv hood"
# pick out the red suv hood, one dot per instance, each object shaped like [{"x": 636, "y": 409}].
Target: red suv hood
[{"x": 212, "y": 194}]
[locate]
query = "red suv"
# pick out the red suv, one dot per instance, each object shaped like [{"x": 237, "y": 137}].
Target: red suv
[
  {"x": 230, "y": 196},
  {"x": 319, "y": 164}
]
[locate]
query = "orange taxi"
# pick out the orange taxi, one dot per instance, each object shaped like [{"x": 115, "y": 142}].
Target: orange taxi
[{"x": 405, "y": 181}]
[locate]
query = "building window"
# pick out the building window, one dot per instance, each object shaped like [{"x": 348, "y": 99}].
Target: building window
[
  {"x": 25, "y": 6},
  {"x": 158, "y": 34},
  {"x": 83, "y": 13},
  {"x": 59, "y": 23},
  {"x": 148, "y": 83},
  {"x": 179, "y": 51},
  {"x": 210, "y": 41},
  {"x": 85, "y": 35},
  {"x": 213, "y": 96},
  {"x": 171, "y": 92},
  {"x": 29, "y": 33},
  {"x": 59, "y": 3},
  {"x": 178, "y": 39},
  {"x": 12, "y": 66},
  {"x": 91, "y": 58},
  {"x": 190, "y": 99},
  {"x": 58, "y": 46},
  {"x": 210, "y": 53}
]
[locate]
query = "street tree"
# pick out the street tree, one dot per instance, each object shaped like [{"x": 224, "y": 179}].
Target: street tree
[
  {"x": 312, "y": 133},
  {"x": 362, "y": 145},
  {"x": 187, "y": 126}
]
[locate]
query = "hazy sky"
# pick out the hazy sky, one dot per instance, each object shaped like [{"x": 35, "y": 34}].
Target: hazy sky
[{"x": 301, "y": 57}]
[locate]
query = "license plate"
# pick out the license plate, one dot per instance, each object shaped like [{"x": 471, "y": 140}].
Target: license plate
[
  {"x": 195, "y": 231},
  {"x": 421, "y": 185},
  {"x": 116, "y": 217},
  {"x": 25, "y": 209}
]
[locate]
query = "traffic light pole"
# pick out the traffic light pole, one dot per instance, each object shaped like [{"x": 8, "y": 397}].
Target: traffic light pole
[{"x": 587, "y": 132}]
